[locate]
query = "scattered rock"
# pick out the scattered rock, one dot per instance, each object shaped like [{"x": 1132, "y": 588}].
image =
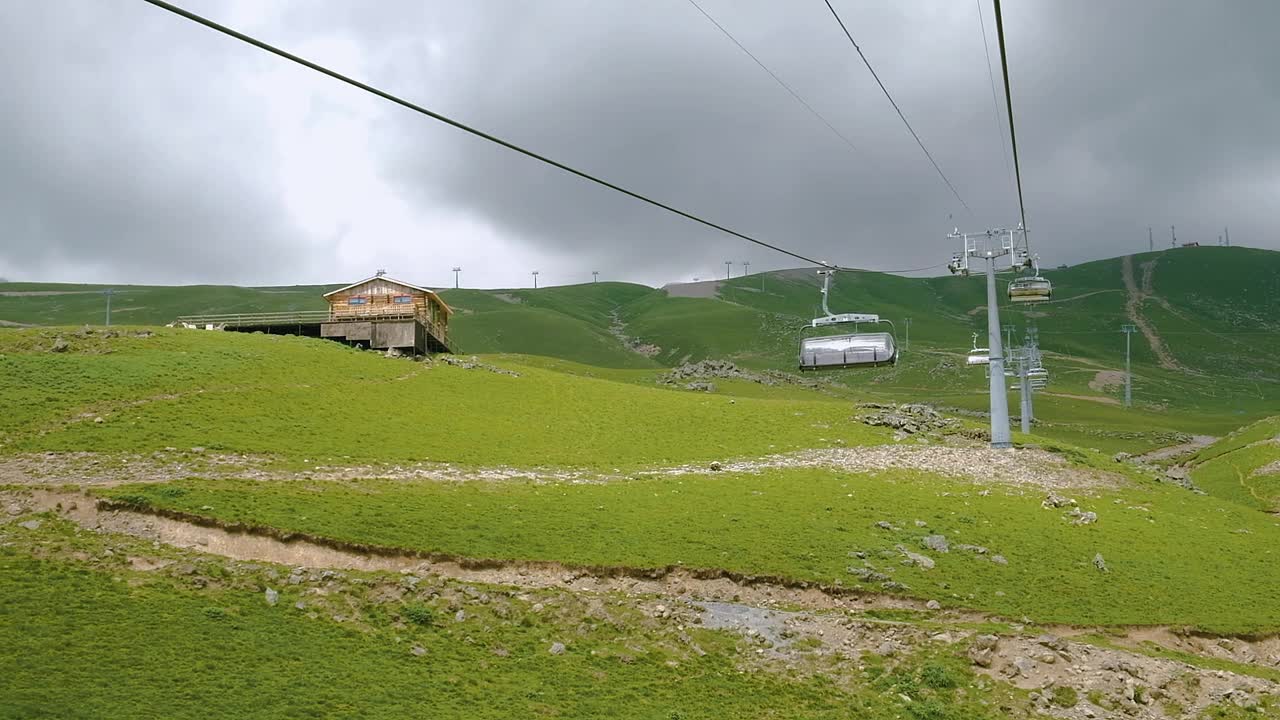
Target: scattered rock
[
  {"x": 701, "y": 386},
  {"x": 417, "y": 651},
  {"x": 933, "y": 605},
  {"x": 885, "y": 525},
  {"x": 16, "y": 509},
  {"x": 1100, "y": 563},
  {"x": 976, "y": 549},
  {"x": 98, "y": 420},
  {"x": 30, "y": 524},
  {"x": 983, "y": 650},
  {"x": 924, "y": 562},
  {"x": 475, "y": 364},
  {"x": 910, "y": 419},
  {"x": 1083, "y": 518},
  {"x": 272, "y": 596},
  {"x": 937, "y": 543},
  {"x": 868, "y": 575},
  {"x": 1021, "y": 666},
  {"x": 60, "y": 345},
  {"x": 886, "y": 649},
  {"x": 716, "y": 465},
  {"x": 1053, "y": 500},
  {"x": 921, "y": 523},
  {"x": 460, "y": 616},
  {"x": 999, "y": 560},
  {"x": 557, "y": 648}
]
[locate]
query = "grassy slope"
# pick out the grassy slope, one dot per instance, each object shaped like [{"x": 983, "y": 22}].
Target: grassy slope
[
  {"x": 1232, "y": 467},
  {"x": 1216, "y": 311},
  {"x": 218, "y": 650},
  {"x": 804, "y": 525},
  {"x": 67, "y": 304},
  {"x": 302, "y": 399}
]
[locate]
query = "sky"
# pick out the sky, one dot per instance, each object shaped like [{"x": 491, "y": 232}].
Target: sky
[{"x": 139, "y": 147}]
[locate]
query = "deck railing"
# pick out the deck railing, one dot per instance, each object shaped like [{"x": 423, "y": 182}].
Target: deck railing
[{"x": 308, "y": 317}]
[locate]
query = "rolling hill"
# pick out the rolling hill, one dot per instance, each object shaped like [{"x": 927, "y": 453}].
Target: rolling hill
[{"x": 1208, "y": 346}]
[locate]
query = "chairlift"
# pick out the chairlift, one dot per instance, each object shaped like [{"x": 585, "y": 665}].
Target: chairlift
[
  {"x": 978, "y": 356},
  {"x": 1030, "y": 288},
  {"x": 856, "y": 349}
]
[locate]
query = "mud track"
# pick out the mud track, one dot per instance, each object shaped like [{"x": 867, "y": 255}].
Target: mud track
[{"x": 1133, "y": 309}]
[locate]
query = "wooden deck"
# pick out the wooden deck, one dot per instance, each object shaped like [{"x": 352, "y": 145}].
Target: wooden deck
[{"x": 352, "y": 325}]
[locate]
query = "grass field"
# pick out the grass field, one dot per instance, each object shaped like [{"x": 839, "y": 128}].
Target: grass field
[
  {"x": 1165, "y": 548},
  {"x": 303, "y": 400},
  {"x": 88, "y": 636}
]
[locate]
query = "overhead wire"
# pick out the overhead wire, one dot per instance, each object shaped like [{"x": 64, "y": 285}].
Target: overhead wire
[
  {"x": 775, "y": 77},
  {"x": 893, "y": 102},
  {"x": 212, "y": 25},
  {"x": 1013, "y": 137},
  {"x": 995, "y": 102}
]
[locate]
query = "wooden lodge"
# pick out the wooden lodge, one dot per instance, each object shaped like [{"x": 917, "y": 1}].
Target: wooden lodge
[
  {"x": 378, "y": 313},
  {"x": 383, "y": 313}
]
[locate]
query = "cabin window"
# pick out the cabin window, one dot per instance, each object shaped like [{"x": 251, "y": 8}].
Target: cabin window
[
  {"x": 358, "y": 300},
  {"x": 403, "y": 299}
]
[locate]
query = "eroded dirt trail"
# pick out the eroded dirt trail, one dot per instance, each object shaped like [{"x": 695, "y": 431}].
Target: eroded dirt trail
[
  {"x": 783, "y": 624},
  {"x": 1133, "y": 309},
  {"x": 251, "y": 545}
]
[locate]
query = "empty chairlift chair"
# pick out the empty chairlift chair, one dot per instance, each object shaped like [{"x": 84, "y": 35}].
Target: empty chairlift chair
[
  {"x": 856, "y": 349},
  {"x": 977, "y": 355}
]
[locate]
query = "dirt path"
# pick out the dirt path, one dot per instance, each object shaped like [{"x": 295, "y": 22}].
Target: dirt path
[
  {"x": 1133, "y": 309},
  {"x": 1196, "y": 442},
  {"x": 775, "y": 618},
  {"x": 259, "y": 546},
  {"x": 1025, "y": 467}
]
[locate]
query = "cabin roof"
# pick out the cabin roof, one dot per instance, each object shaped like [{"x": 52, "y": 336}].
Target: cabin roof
[{"x": 384, "y": 278}]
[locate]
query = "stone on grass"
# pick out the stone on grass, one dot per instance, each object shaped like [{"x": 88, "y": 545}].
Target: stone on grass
[
  {"x": 937, "y": 543},
  {"x": 272, "y": 596},
  {"x": 30, "y": 524},
  {"x": 557, "y": 648},
  {"x": 1099, "y": 563},
  {"x": 999, "y": 560},
  {"x": 933, "y": 605},
  {"x": 417, "y": 651}
]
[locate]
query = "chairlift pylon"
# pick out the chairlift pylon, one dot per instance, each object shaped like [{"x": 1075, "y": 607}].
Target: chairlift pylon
[{"x": 856, "y": 349}]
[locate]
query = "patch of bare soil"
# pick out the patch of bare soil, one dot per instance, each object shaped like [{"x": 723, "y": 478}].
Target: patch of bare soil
[
  {"x": 262, "y": 545},
  {"x": 1133, "y": 309},
  {"x": 1027, "y": 467},
  {"x": 1197, "y": 442},
  {"x": 1105, "y": 380},
  {"x": 1090, "y": 398}
]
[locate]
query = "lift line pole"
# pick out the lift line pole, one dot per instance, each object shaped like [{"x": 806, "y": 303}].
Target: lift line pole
[
  {"x": 996, "y": 246},
  {"x": 1128, "y": 331},
  {"x": 1025, "y": 384},
  {"x": 109, "y": 292}
]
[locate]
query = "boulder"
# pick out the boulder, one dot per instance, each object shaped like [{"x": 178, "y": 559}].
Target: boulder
[
  {"x": 937, "y": 543},
  {"x": 557, "y": 648},
  {"x": 272, "y": 596}
]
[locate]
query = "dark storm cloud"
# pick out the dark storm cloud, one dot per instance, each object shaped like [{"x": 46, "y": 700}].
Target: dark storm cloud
[
  {"x": 1129, "y": 114},
  {"x": 120, "y": 157}
]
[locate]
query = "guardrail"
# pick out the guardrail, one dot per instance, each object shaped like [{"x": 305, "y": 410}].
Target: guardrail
[{"x": 307, "y": 317}]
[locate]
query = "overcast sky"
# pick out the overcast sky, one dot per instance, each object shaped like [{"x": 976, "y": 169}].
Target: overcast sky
[{"x": 136, "y": 146}]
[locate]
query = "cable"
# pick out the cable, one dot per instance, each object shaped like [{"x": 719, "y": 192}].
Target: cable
[
  {"x": 995, "y": 102},
  {"x": 1013, "y": 138},
  {"x": 774, "y": 75},
  {"x": 895, "y": 107},
  {"x": 466, "y": 128}
]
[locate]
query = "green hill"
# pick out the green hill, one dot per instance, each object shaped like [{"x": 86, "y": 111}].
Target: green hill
[{"x": 1209, "y": 352}]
